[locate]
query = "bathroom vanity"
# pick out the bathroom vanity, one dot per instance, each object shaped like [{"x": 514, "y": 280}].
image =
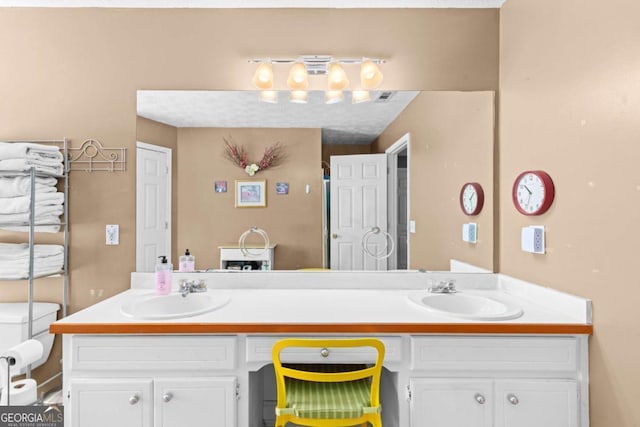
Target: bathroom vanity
[{"x": 214, "y": 368}]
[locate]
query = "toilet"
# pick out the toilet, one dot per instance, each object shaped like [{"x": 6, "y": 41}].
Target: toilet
[{"x": 14, "y": 326}]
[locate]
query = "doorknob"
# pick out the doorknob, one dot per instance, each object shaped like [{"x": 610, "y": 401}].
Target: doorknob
[{"x": 334, "y": 236}]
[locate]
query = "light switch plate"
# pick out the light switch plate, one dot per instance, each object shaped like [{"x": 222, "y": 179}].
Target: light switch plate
[
  {"x": 113, "y": 234},
  {"x": 412, "y": 226}
]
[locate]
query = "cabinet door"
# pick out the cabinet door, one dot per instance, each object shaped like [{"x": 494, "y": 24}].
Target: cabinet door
[
  {"x": 444, "y": 402},
  {"x": 195, "y": 402},
  {"x": 548, "y": 403},
  {"x": 111, "y": 402}
]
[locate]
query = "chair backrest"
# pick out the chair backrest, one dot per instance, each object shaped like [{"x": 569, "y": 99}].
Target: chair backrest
[{"x": 374, "y": 371}]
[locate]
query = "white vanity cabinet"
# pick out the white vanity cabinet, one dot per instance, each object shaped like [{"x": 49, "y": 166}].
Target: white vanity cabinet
[
  {"x": 150, "y": 381},
  {"x": 497, "y": 382}
]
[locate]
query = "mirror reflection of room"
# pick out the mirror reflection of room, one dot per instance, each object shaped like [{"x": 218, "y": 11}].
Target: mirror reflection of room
[{"x": 430, "y": 143}]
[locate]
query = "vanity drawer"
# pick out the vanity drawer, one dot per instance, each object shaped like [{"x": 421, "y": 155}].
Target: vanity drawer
[
  {"x": 494, "y": 353},
  {"x": 259, "y": 350},
  {"x": 142, "y": 353}
]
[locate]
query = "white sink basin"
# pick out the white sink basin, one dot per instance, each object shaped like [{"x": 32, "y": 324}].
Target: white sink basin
[
  {"x": 467, "y": 306},
  {"x": 172, "y": 306}
]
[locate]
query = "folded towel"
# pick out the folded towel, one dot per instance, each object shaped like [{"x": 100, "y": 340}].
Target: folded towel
[
  {"x": 45, "y": 166},
  {"x": 38, "y": 228},
  {"x": 14, "y": 205},
  {"x": 21, "y": 250},
  {"x": 29, "y": 150},
  {"x": 40, "y": 212},
  {"x": 14, "y": 186}
]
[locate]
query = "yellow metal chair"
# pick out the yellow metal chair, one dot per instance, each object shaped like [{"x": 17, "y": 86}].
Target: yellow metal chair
[{"x": 328, "y": 395}]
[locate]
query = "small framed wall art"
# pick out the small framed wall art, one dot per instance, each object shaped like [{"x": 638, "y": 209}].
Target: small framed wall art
[
  {"x": 220, "y": 186},
  {"x": 251, "y": 194},
  {"x": 282, "y": 188}
]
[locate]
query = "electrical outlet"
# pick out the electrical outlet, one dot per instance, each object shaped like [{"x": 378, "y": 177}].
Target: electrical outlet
[
  {"x": 532, "y": 239},
  {"x": 112, "y": 234}
]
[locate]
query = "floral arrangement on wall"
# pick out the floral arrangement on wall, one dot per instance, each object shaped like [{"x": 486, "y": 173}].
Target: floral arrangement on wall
[{"x": 272, "y": 156}]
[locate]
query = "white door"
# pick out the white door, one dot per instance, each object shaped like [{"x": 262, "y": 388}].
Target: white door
[
  {"x": 358, "y": 205},
  {"x": 153, "y": 205},
  {"x": 446, "y": 402},
  {"x": 110, "y": 402},
  {"x": 532, "y": 403},
  {"x": 195, "y": 402}
]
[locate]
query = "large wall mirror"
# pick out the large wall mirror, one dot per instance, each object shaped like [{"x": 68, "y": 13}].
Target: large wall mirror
[{"x": 450, "y": 139}]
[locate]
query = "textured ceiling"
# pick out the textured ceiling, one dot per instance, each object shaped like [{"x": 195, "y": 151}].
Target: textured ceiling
[
  {"x": 342, "y": 123},
  {"x": 342, "y": 4}
]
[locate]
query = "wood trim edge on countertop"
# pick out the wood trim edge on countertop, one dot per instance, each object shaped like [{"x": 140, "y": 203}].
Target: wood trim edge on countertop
[{"x": 293, "y": 328}]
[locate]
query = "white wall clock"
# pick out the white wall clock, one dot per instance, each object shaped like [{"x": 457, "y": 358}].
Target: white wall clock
[
  {"x": 471, "y": 198},
  {"x": 533, "y": 192}
]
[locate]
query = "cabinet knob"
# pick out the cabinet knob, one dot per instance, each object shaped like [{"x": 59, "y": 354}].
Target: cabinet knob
[
  {"x": 134, "y": 399},
  {"x": 513, "y": 399},
  {"x": 167, "y": 397},
  {"x": 479, "y": 398},
  {"x": 324, "y": 352}
]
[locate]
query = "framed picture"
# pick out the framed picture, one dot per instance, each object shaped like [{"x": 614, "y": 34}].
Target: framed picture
[
  {"x": 282, "y": 188},
  {"x": 251, "y": 194},
  {"x": 220, "y": 186}
]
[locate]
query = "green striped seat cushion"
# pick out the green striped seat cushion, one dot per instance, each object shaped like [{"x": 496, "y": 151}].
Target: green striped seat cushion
[{"x": 339, "y": 400}]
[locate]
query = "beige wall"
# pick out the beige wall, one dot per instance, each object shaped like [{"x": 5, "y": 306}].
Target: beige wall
[
  {"x": 209, "y": 219},
  {"x": 570, "y": 105},
  {"x": 452, "y": 136}
]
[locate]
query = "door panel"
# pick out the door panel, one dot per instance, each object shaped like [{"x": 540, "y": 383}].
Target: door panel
[{"x": 358, "y": 204}]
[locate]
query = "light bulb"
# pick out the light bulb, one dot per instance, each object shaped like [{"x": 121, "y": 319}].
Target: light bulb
[
  {"x": 270, "y": 96},
  {"x": 298, "y": 79},
  {"x": 337, "y": 78},
  {"x": 370, "y": 75},
  {"x": 358, "y": 96},
  {"x": 333, "y": 96},
  {"x": 263, "y": 77},
  {"x": 299, "y": 96}
]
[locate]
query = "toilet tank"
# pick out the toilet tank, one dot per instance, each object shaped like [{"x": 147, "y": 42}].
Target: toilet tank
[{"x": 14, "y": 325}]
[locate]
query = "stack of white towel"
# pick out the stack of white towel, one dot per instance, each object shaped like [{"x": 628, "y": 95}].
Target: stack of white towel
[
  {"x": 15, "y": 191},
  {"x": 14, "y": 260},
  {"x": 21, "y": 156}
]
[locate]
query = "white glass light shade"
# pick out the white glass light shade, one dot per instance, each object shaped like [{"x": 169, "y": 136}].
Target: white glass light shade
[
  {"x": 298, "y": 78},
  {"x": 333, "y": 96},
  {"x": 370, "y": 75},
  {"x": 270, "y": 96},
  {"x": 263, "y": 77},
  {"x": 299, "y": 96},
  {"x": 358, "y": 96},
  {"x": 337, "y": 78}
]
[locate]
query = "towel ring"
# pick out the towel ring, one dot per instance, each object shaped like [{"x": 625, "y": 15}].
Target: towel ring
[
  {"x": 243, "y": 237},
  {"x": 382, "y": 254}
]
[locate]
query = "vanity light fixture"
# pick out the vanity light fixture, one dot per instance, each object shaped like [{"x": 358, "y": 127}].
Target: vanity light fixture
[
  {"x": 263, "y": 77},
  {"x": 318, "y": 65}
]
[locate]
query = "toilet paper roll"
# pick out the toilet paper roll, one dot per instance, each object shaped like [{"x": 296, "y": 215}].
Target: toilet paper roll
[
  {"x": 22, "y": 393},
  {"x": 26, "y": 352}
]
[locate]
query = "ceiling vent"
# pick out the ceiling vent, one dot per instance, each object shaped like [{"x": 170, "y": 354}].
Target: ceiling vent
[{"x": 385, "y": 96}]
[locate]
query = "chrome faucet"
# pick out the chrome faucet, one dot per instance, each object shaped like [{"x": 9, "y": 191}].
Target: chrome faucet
[
  {"x": 447, "y": 286},
  {"x": 192, "y": 286}
]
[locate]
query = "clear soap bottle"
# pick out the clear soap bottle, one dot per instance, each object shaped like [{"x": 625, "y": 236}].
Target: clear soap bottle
[
  {"x": 163, "y": 276},
  {"x": 187, "y": 262}
]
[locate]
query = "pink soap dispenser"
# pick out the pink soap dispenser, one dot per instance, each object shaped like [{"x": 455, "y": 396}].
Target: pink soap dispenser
[{"x": 163, "y": 276}]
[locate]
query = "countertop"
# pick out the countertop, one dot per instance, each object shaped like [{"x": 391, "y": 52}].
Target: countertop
[{"x": 330, "y": 310}]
